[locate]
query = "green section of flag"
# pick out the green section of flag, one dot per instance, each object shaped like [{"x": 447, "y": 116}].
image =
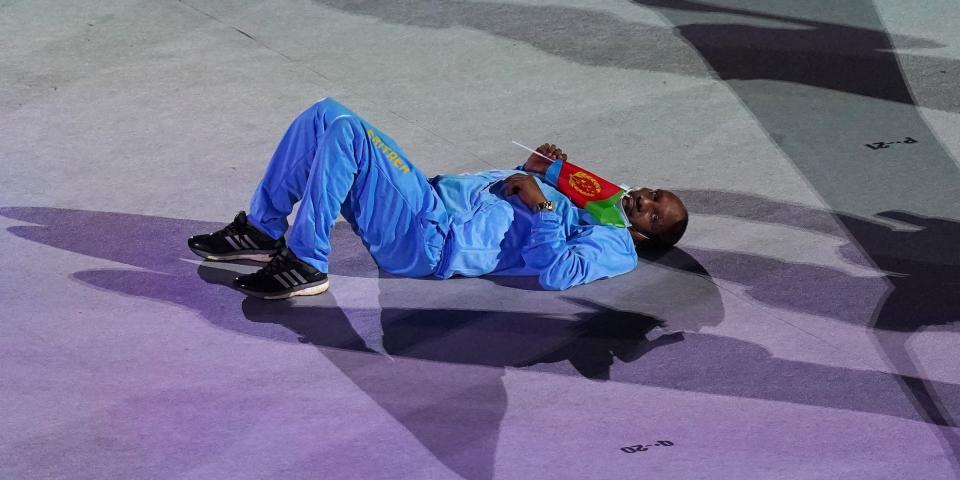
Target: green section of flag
[{"x": 607, "y": 211}]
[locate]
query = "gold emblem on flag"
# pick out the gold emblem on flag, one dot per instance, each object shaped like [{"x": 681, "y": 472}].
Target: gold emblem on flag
[{"x": 584, "y": 184}]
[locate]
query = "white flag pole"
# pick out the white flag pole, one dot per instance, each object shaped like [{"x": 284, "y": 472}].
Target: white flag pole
[{"x": 530, "y": 150}]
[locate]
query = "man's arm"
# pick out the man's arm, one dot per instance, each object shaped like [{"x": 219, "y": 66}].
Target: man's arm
[
  {"x": 550, "y": 170},
  {"x": 596, "y": 252},
  {"x": 537, "y": 164},
  {"x": 587, "y": 190}
]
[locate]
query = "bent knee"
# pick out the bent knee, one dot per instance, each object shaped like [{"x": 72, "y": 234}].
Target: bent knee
[
  {"x": 348, "y": 123},
  {"x": 329, "y": 107},
  {"x": 327, "y": 102}
]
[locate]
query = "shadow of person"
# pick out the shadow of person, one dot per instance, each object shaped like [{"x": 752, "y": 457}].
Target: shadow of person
[
  {"x": 455, "y": 406},
  {"x": 835, "y": 100},
  {"x": 440, "y": 374},
  {"x": 781, "y": 43},
  {"x": 490, "y": 338},
  {"x": 918, "y": 263},
  {"x": 923, "y": 269},
  {"x": 809, "y": 47},
  {"x": 701, "y": 362},
  {"x": 923, "y": 266},
  {"x": 155, "y": 244},
  {"x": 919, "y": 288}
]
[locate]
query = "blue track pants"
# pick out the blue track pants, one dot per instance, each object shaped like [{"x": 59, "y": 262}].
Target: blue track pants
[{"x": 332, "y": 161}]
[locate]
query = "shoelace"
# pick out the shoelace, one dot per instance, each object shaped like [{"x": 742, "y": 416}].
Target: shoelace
[
  {"x": 231, "y": 229},
  {"x": 277, "y": 264}
]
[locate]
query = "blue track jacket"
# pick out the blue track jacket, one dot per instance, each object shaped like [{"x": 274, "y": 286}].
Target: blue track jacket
[{"x": 493, "y": 234}]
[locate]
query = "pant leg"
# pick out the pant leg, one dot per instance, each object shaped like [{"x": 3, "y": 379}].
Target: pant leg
[
  {"x": 389, "y": 202},
  {"x": 284, "y": 182}
]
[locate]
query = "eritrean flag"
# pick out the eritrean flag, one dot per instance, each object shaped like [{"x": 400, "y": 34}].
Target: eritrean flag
[{"x": 594, "y": 194}]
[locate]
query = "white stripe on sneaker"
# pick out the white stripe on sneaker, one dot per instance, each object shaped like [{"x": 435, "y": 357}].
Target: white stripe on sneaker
[
  {"x": 233, "y": 243},
  {"x": 282, "y": 281},
  {"x": 245, "y": 240},
  {"x": 302, "y": 280},
  {"x": 290, "y": 277}
]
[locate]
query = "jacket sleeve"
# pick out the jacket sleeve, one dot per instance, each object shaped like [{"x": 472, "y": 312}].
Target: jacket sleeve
[
  {"x": 596, "y": 252},
  {"x": 552, "y": 175}
]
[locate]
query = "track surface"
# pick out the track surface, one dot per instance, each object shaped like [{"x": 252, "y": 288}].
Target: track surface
[{"x": 807, "y": 328}]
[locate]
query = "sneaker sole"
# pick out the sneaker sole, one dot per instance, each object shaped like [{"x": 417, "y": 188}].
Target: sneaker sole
[
  {"x": 262, "y": 256},
  {"x": 303, "y": 290}
]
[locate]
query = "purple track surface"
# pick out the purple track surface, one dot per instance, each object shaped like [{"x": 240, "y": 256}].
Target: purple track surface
[{"x": 806, "y": 328}]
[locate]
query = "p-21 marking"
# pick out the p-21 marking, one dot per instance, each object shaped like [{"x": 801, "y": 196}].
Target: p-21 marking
[{"x": 879, "y": 145}]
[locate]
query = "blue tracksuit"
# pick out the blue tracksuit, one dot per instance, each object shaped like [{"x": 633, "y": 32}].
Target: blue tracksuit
[{"x": 413, "y": 226}]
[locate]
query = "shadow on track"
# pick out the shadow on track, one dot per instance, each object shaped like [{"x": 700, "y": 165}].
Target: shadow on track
[
  {"x": 449, "y": 360},
  {"x": 921, "y": 288},
  {"x": 824, "y": 92},
  {"x": 787, "y": 46}
]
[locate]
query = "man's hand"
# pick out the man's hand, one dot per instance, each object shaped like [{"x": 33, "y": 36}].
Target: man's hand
[
  {"x": 526, "y": 188},
  {"x": 538, "y": 164}
]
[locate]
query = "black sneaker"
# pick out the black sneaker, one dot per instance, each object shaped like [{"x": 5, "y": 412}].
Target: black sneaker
[
  {"x": 237, "y": 241},
  {"x": 284, "y": 277}
]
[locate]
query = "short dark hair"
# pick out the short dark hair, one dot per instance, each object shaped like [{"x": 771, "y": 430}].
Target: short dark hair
[
  {"x": 665, "y": 239},
  {"x": 675, "y": 233}
]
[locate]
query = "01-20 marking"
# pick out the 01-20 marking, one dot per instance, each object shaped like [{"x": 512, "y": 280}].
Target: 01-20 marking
[{"x": 644, "y": 448}]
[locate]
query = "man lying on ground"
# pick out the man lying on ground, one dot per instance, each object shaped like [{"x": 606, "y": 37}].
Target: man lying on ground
[{"x": 497, "y": 222}]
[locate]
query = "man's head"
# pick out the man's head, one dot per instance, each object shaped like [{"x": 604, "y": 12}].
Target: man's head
[{"x": 657, "y": 217}]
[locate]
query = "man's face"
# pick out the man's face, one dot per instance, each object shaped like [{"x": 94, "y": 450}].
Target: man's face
[{"x": 653, "y": 212}]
